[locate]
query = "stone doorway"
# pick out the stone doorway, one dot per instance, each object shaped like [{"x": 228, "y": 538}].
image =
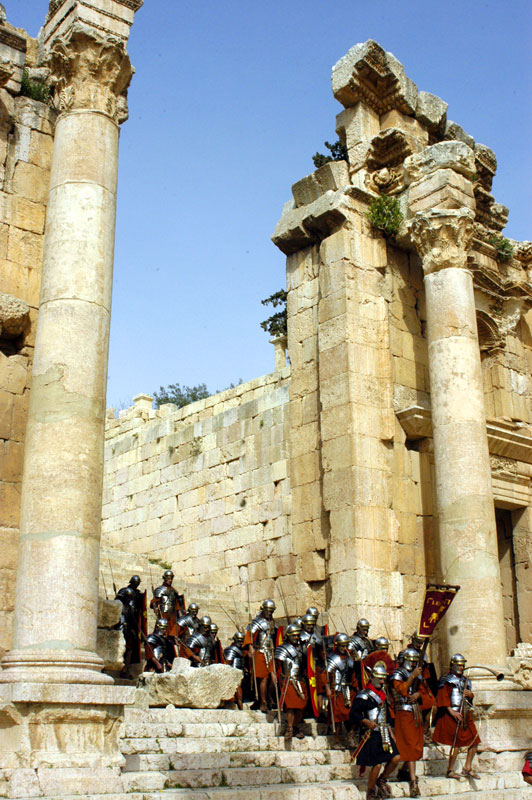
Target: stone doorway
[{"x": 508, "y": 575}]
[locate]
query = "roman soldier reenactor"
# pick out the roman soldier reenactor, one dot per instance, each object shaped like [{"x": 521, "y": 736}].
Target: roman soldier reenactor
[
  {"x": 189, "y": 622},
  {"x": 362, "y": 643},
  {"x": 408, "y": 701},
  {"x": 200, "y": 646},
  {"x": 167, "y": 603},
  {"x": 369, "y": 713},
  {"x": 217, "y": 653},
  {"x": 454, "y": 725},
  {"x": 310, "y": 637},
  {"x": 159, "y": 648},
  {"x": 234, "y": 657},
  {"x": 338, "y": 689},
  {"x": 290, "y": 657},
  {"x": 259, "y": 640},
  {"x": 132, "y": 622}
]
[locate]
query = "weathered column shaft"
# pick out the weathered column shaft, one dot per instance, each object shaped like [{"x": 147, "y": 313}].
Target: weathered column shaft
[
  {"x": 467, "y": 529},
  {"x": 55, "y": 615}
]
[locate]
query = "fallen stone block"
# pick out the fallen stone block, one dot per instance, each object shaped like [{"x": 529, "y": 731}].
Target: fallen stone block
[{"x": 188, "y": 687}]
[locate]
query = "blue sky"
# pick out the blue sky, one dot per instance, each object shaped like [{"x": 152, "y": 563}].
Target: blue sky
[{"x": 229, "y": 103}]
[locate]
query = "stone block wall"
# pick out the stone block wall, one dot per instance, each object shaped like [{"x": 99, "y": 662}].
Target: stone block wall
[
  {"x": 205, "y": 488},
  {"x": 26, "y": 142}
]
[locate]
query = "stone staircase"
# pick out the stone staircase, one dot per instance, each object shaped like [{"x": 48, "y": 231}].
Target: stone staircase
[{"x": 187, "y": 754}]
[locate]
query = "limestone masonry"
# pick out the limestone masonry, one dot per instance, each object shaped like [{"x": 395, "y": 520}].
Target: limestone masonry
[{"x": 391, "y": 446}]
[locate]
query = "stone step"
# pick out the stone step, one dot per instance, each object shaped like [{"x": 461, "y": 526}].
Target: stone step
[
  {"x": 228, "y": 760},
  {"x": 220, "y": 744},
  {"x": 174, "y": 716}
]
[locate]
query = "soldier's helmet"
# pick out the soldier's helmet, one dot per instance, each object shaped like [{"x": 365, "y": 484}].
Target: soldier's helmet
[
  {"x": 293, "y": 632},
  {"x": 314, "y": 611},
  {"x": 410, "y": 658},
  {"x": 161, "y": 626},
  {"x": 363, "y": 627},
  {"x": 238, "y": 638},
  {"x": 342, "y": 640},
  {"x": 168, "y": 575},
  {"x": 205, "y": 623},
  {"x": 214, "y": 628},
  {"x": 268, "y": 606},
  {"x": 416, "y": 641},
  {"x": 379, "y": 672},
  {"x": 458, "y": 662},
  {"x": 193, "y": 609},
  {"x": 382, "y": 643},
  {"x": 308, "y": 622},
  {"x": 134, "y": 581}
]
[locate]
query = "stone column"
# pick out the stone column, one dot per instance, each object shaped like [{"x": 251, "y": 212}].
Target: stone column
[
  {"x": 467, "y": 530},
  {"x": 57, "y": 586}
]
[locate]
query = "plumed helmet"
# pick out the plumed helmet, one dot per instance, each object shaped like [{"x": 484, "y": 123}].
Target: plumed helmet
[
  {"x": 193, "y": 609},
  {"x": 134, "y": 581},
  {"x": 238, "y": 637},
  {"x": 214, "y": 628},
  {"x": 379, "y": 671},
  {"x": 268, "y": 605},
  {"x": 363, "y": 626},
  {"x": 293, "y": 631},
  {"x": 313, "y": 611},
  {"x": 341, "y": 639},
  {"x": 410, "y": 657},
  {"x": 167, "y": 574},
  {"x": 382, "y": 643},
  {"x": 458, "y": 660},
  {"x": 308, "y": 621},
  {"x": 161, "y": 625}
]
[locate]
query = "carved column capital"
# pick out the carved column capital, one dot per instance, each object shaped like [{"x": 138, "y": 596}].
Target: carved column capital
[
  {"x": 90, "y": 71},
  {"x": 442, "y": 237}
]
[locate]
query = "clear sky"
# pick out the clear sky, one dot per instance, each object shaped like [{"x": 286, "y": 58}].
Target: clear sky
[{"x": 230, "y": 101}]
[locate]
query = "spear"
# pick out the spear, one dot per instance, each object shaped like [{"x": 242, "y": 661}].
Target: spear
[
  {"x": 112, "y": 576},
  {"x": 104, "y": 586},
  {"x": 253, "y": 654}
]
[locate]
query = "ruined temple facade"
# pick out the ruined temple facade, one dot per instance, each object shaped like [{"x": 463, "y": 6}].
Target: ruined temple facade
[
  {"x": 395, "y": 447},
  {"x": 391, "y": 445}
]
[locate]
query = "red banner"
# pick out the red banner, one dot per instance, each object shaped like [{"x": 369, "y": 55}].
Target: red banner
[{"x": 437, "y": 601}]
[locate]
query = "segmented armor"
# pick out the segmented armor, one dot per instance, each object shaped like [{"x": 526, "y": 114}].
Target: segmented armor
[
  {"x": 400, "y": 702},
  {"x": 313, "y": 639},
  {"x": 234, "y": 656},
  {"x": 458, "y": 686},
  {"x": 263, "y": 631},
  {"x": 161, "y": 647},
  {"x": 378, "y": 714},
  {"x": 338, "y": 671},
  {"x": 202, "y": 645},
  {"x": 189, "y": 622},
  {"x": 362, "y": 645},
  {"x": 290, "y": 657}
]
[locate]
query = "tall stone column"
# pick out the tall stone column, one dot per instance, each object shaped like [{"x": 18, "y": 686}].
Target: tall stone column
[
  {"x": 57, "y": 586},
  {"x": 467, "y": 530}
]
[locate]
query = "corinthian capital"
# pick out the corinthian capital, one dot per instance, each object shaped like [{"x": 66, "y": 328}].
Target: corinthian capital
[
  {"x": 442, "y": 237},
  {"x": 89, "y": 71}
]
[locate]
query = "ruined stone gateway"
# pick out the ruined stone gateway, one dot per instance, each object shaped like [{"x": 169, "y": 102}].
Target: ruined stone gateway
[{"x": 393, "y": 449}]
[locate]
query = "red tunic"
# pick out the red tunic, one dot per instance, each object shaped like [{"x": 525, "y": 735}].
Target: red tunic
[
  {"x": 446, "y": 726},
  {"x": 262, "y": 670},
  {"x": 408, "y": 730},
  {"x": 341, "y": 711},
  {"x": 292, "y": 700}
]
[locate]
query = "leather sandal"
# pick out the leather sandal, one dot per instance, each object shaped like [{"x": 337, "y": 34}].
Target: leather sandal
[
  {"x": 468, "y": 773},
  {"x": 383, "y": 787},
  {"x": 414, "y": 788},
  {"x": 452, "y": 774},
  {"x": 288, "y": 734}
]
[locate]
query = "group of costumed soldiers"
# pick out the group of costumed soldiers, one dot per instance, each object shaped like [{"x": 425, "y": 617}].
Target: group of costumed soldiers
[{"x": 385, "y": 706}]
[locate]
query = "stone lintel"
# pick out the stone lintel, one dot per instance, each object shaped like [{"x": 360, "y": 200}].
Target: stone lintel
[
  {"x": 114, "y": 17},
  {"x": 12, "y": 59},
  {"x": 504, "y": 438},
  {"x": 302, "y": 227}
]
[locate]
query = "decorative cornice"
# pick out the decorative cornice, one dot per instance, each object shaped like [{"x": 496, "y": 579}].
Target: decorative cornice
[
  {"x": 442, "y": 237},
  {"x": 12, "y": 39},
  {"x": 89, "y": 71},
  {"x": 506, "y": 439}
]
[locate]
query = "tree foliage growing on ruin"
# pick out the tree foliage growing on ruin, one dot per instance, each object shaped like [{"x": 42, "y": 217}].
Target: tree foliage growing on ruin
[
  {"x": 503, "y": 246},
  {"x": 385, "y": 214},
  {"x": 35, "y": 90},
  {"x": 338, "y": 153},
  {"x": 276, "y": 325},
  {"x": 180, "y": 395}
]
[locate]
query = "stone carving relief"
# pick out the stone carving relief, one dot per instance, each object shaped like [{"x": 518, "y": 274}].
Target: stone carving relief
[
  {"x": 442, "y": 237},
  {"x": 384, "y": 161},
  {"x": 90, "y": 71}
]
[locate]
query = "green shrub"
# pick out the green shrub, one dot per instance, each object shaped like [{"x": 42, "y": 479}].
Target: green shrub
[
  {"x": 385, "y": 214},
  {"x": 503, "y": 246},
  {"x": 34, "y": 89},
  {"x": 338, "y": 153},
  {"x": 276, "y": 325}
]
